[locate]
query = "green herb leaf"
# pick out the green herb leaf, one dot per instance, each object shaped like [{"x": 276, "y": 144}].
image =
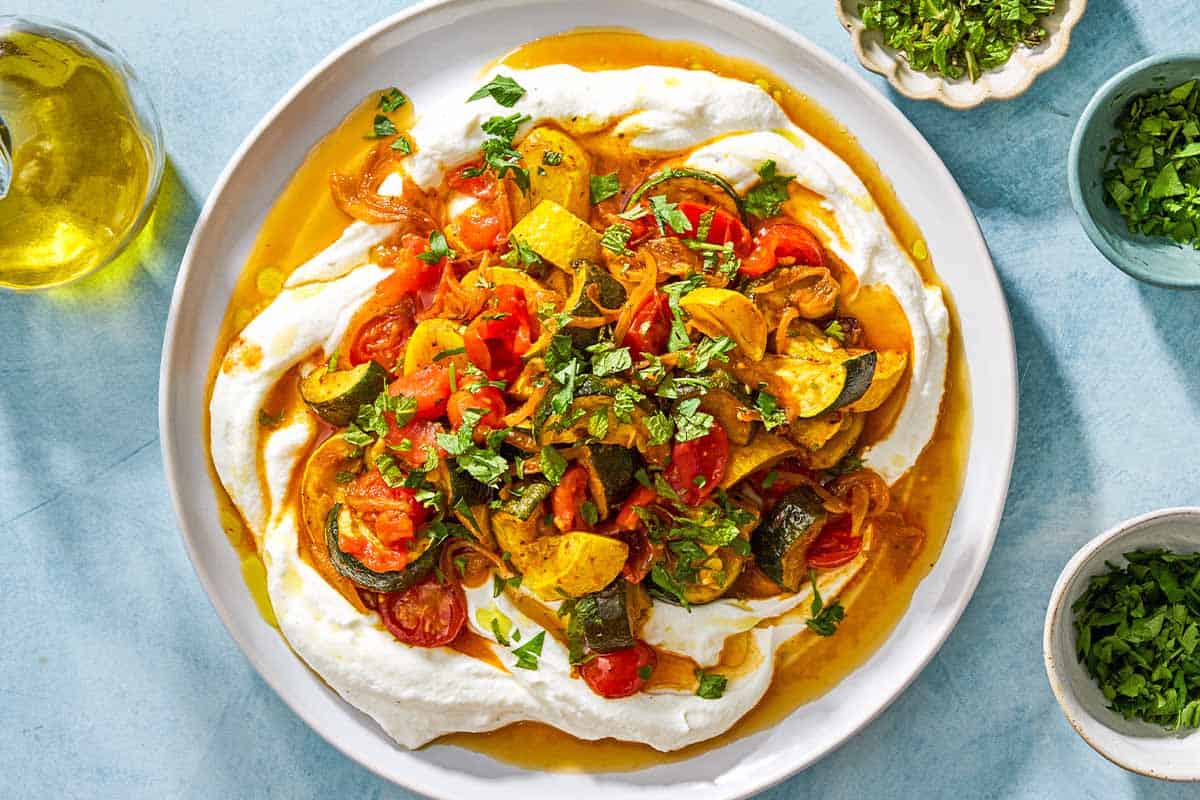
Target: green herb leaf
[
  {"x": 668, "y": 215},
  {"x": 616, "y": 239},
  {"x": 382, "y": 127},
  {"x": 711, "y": 686},
  {"x": 529, "y": 653},
  {"x": 825, "y": 619},
  {"x": 391, "y": 100},
  {"x": 604, "y": 187},
  {"x": 771, "y": 192},
  {"x": 503, "y": 89},
  {"x": 402, "y": 145},
  {"x": 552, "y": 158},
  {"x": 553, "y": 465},
  {"x": 439, "y": 248}
]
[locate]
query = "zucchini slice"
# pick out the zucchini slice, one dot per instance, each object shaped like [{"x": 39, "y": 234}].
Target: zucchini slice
[
  {"x": 726, "y": 408},
  {"x": 839, "y": 444},
  {"x": 600, "y": 622},
  {"x": 780, "y": 543},
  {"x": 394, "y": 581},
  {"x": 464, "y": 487},
  {"x": 889, "y": 369},
  {"x": 682, "y": 183},
  {"x": 522, "y": 505},
  {"x": 336, "y": 396},
  {"x": 860, "y": 369},
  {"x": 609, "y": 291},
  {"x": 804, "y": 389},
  {"x": 610, "y": 470}
]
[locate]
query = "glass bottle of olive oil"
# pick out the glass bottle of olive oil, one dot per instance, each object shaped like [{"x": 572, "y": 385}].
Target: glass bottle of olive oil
[{"x": 84, "y": 154}]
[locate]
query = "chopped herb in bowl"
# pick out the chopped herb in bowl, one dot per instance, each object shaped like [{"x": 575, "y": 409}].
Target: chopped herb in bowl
[
  {"x": 957, "y": 38},
  {"x": 1152, "y": 172},
  {"x": 1138, "y": 636}
]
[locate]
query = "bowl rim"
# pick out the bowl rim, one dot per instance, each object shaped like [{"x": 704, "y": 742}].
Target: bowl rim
[
  {"x": 1074, "y": 181},
  {"x": 854, "y": 25},
  {"x": 992, "y": 507},
  {"x": 1057, "y": 611}
]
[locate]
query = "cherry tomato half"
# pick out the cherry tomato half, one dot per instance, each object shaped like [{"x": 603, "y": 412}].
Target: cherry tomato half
[
  {"x": 627, "y": 517},
  {"x": 569, "y": 495},
  {"x": 777, "y": 240},
  {"x": 429, "y": 386},
  {"x": 498, "y": 337},
  {"x": 725, "y": 227},
  {"x": 619, "y": 673},
  {"x": 410, "y": 274},
  {"x": 410, "y": 444},
  {"x": 698, "y": 466},
  {"x": 429, "y": 614},
  {"x": 392, "y": 513},
  {"x": 487, "y": 399},
  {"x": 383, "y": 338},
  {"x": 834, "y": 546},
  {"x": 651, "y": 327}
]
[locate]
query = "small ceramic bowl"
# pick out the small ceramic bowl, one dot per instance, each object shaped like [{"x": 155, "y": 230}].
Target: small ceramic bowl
[
  {"x": 1157, "y": 261},
  {"x": 1002, "y": 83},
  {"x": 1137, "y": 746}
]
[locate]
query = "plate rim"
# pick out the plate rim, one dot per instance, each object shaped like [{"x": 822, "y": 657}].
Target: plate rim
[{"x": 1008, "y": 427}]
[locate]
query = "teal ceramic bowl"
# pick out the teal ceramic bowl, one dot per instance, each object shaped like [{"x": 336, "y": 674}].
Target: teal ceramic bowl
[{"x": 1157, "y": 261}]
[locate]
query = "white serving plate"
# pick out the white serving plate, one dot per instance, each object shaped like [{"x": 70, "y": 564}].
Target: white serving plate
[{"x": 398, "y": 50}]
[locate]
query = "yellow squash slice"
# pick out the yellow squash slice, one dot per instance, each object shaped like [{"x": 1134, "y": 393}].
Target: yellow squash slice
[
  {"x": 557, "y": 235},
  {"x": 724, "y": 312},
  {"x": 575, "y": 563}
]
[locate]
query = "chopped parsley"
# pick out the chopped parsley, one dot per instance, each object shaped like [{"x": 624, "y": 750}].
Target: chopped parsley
[
  {"x": 609, "y": 360},
  {"x": 616, "y": 239},
  {"x": 382, "y": 127},
  {"x": 770, "y": 411},
  {"x": 553, "y": 465},
  {"x": 1152, "y": 170},
  {"x": 520, "y": 254},
  {"x": 498, "y": 153},
  {"x": 529, "y": 653},
  {"x": 503, "y": 89},
  {"x": 402, "y": 145},
  {"x": 552, "y": 158},
  {"x": 690, "y": 422},
  {"x": 604, "y": 187},
  {"x": 957, "y": 37},
  {"x": 598, "y": 423},
  {"x": 1138, "y": 637},
  {"x": 825, "y": 618},
  {"x": 710, "y": 685},
  {"x": 661, "y": 428},
  {"x": 770, "y": 193},
  {"x": 668, "y": 215},
  {"x": 834, "y": 330},
  {"x": 439, "y": 248},
  {"x": 391, "y": 100}
]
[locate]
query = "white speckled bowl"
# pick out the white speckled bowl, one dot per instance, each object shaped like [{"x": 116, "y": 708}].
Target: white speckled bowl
[
  {"x": 1002, "y": 83},
  {"x": 1137, "y": 746}
]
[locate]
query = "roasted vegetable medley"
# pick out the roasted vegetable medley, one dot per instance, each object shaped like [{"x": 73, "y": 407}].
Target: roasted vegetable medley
[{"x": 608, "y": 382}]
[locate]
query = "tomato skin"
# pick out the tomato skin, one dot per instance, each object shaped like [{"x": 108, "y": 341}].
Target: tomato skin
[
  {"x": 383, "y": 338},
  {"x": 650, "y": 328},
  {"x": 481, "y": 228},
  {"x": 707, "y": 457},
  {"x": 725, "y": 227},
  {"x": 627, "y": 518},
  {"x": 410, "y": 274},
  {"x": 498, "y": 337},
  {"x": 481, "y": 186},
  {"x": 421, "y": 434},
  {"x": 834, "y": 546},
  {"x": 428, "y": 614},
  {"x": 615, "y": 674},
  {"x": 778, "y": 239},
  {"x": 430, "y": 386},
  {"x": 569, "y": 495},
  {"x": 488, "y": 399},
  {"x": 393, "y": 514}
]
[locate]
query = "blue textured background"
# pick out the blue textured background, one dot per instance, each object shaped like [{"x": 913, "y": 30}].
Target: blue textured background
[{"x": 118, "y": 680}]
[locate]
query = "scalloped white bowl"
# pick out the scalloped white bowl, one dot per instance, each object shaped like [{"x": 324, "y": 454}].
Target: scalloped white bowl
[
  {"x": 398, "y": 49},
  {"x": 1002, "y": 83}
]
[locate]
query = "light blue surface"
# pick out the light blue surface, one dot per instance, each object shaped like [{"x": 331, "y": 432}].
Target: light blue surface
[{"x": 118, "y": 680}]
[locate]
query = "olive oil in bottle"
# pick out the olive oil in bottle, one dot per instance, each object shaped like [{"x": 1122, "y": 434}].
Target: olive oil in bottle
[{"x": 84, "y": 161}]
